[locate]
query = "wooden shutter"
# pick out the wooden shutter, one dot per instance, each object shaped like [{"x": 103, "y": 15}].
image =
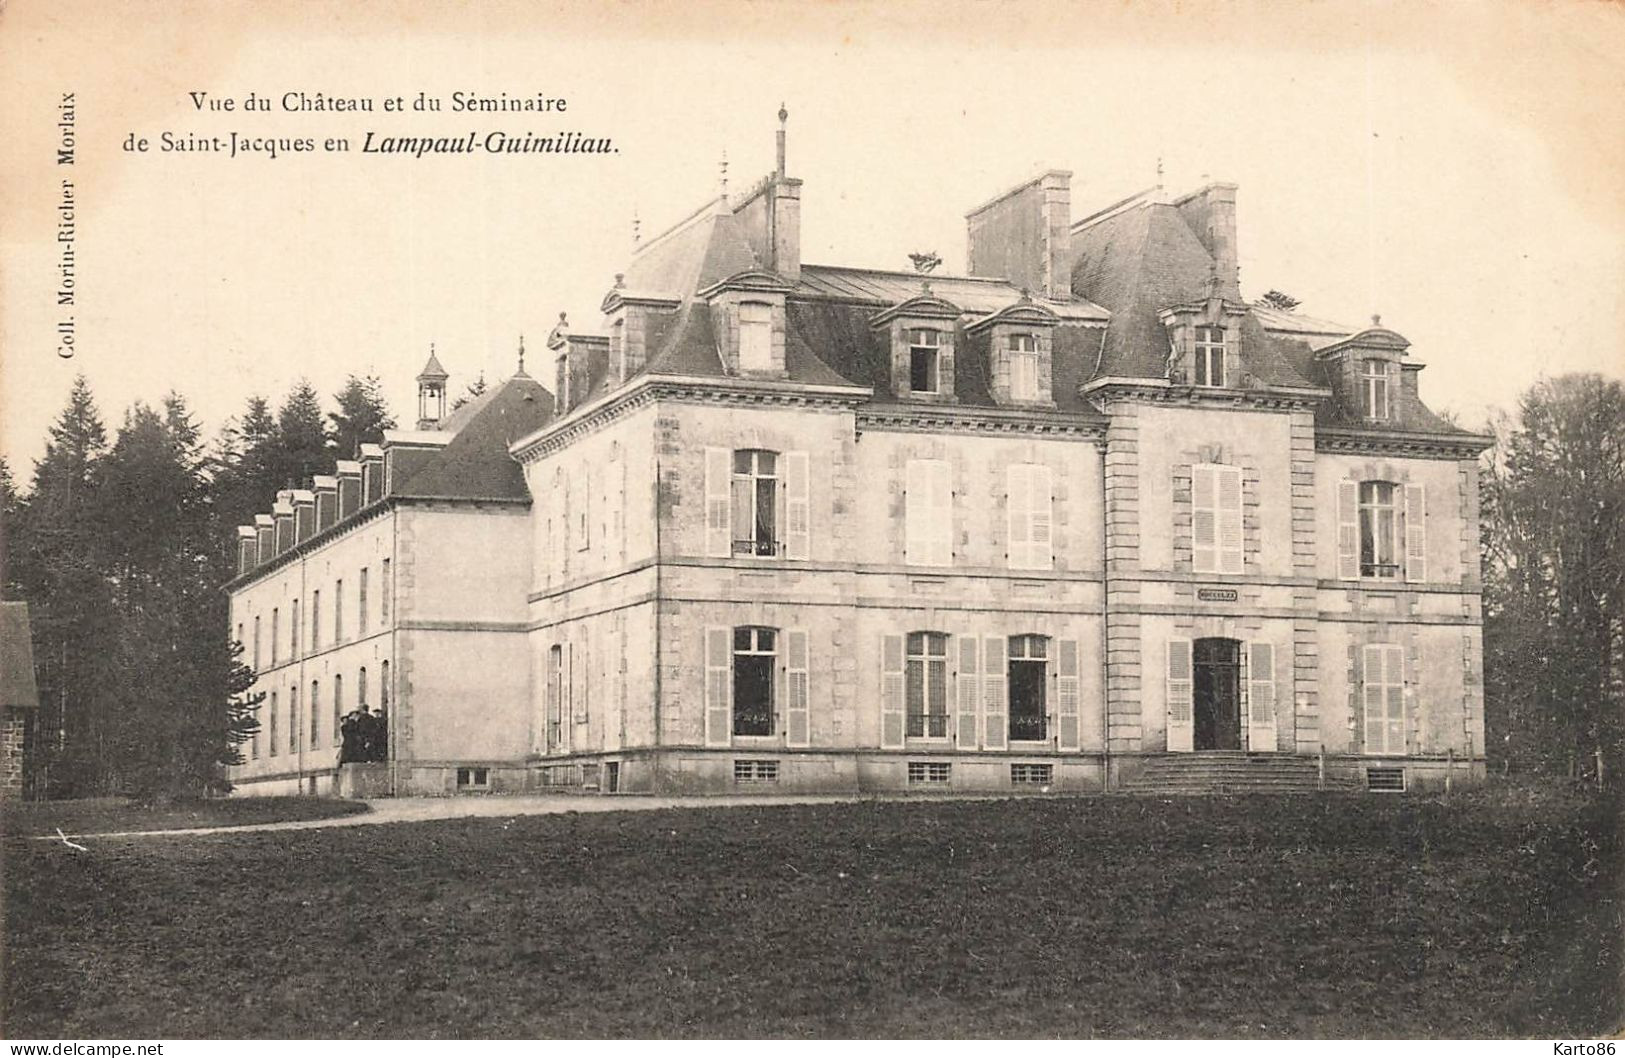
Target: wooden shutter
[
  {"x": 1394, "y": 698},
  {"x": 567, "y": 695},
  {"x": 1416, "y": 540},
  {"x": 797, "y": 508},
  {"x": 1372, "y": 659},
  {"x": 1204, "y": 519},
  {"x": 718, "y": 480},
  {"x": 1067, "y": 717},
  {"x": 969, "y": 689},
  {"x": 916, "y": 512},
  {"x": 798, "y": 706},
  {"x": 995, "y": 729},
  {"x": 1348, "y": 530},
  {"x": 1228, "y": 480},
  {"x": 891, "y": 692},
  {"x": 1181, "y": 723},
  {"x": 942, "y": 515},
  {"x": 1261, "y": 697},
  {"x": 1018, "y": 515},
  {"x": 1041, "y": 518},
  {"x": 718, "y": 686}
]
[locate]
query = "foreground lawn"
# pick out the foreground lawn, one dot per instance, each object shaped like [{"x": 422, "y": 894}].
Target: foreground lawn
[
  {"x": 1080, "y": 917},
  {"x": 107, "y": 815}
]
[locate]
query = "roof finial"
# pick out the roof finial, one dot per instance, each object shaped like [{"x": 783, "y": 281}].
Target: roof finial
[
  {"x": 521, "y": 355},
  {"x": 723, "y": 169},
  {"x": 637, "y": 227},
  {"x": 1159, "y": 171},
  {"x": 1376, "y": 319}
]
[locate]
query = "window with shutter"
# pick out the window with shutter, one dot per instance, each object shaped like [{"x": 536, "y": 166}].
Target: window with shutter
[
  {"x": 1261, "y": 697},
  {"x": 1216, "y": 537},
  {"x": 928, "y": 514},
  {"x": 1348, "y": 531},
  {"x": 1029, "y": 500},
  {"x": 1180, "y": 695},
  {"x": 926, "y": 685},
  {"x": 1376, "y": 512},
  {"x": 718, "y": 481},
  {"x": 798, "y": 700},
  {"x": 718, "y": 686},
  {"x": 755, "y": 654},
  {"x": 1416, "y": 543},
  {"x": 1068, "y": 715},
  {"x": 797, "y": 505},
  {"x": 1383, "y": 694},
  {"x": 995, "y": 733},
  {"x": 969, "y": 691},
  {"x": 891, "y": 692}
]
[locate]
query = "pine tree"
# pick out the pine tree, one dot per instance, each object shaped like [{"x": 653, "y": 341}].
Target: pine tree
[
  {"x": 475, "y": 389},
  {"x": 301, "y": 450},
  {"x": 363, "y": 415}
]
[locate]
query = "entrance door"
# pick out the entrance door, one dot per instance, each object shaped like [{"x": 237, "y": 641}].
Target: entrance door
[{"x": 1218, "y": 694}]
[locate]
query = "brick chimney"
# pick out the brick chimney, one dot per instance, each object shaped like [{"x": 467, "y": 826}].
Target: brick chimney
[
  {"x": 1025, "y": 236},
  {"x": 769, "y": 215},
  {"x": 248, "y": 548},
  {"x": 327, "y": 501},
  {"x": 1211, "y": 214},
  {"x": 304, "y": 515},
  {"x": 349, "y": 475},
  {"x": 265, "y": 531},
  {"x": 372, "y": 474},
  {"x": 282, "y": 512}
]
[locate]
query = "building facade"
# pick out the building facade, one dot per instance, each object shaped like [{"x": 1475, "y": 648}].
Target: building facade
[{"x": 786, "y": 526}]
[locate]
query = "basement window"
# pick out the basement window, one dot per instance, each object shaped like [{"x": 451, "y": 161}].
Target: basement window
[
  {"x": 756, "y": 771},
  {"x": 1385, "y": 780},
  {"x": 926, "y": 773},
  {"x": 473, "y": 778},
  {"x": 1031, "y": 774}
]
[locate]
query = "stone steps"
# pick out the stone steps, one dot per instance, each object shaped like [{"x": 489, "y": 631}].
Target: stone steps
[{"x": 1233, "y": 772}]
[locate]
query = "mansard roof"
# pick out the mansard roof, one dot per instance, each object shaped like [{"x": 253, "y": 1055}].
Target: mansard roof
[
  {"x": 977, "y": 295},
  {"x": 475, "y": 464}
]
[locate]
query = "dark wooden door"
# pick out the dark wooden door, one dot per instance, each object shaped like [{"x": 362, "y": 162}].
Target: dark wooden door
[{"x": 1217, "y": 705}]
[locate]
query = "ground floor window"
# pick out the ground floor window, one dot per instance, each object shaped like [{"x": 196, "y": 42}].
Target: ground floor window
[
  {"x": 1029, "y": 678},
  {"x": 1031, "y": 774},
  {"x": 1384, "y": 692},
  {"x": 927, "y": 772},
  {"x": 754, "y": 771},
  {"x": 754, "y": 652},
  {"x": 473, "y": 778},
  {"x": 926, "y": 679}
]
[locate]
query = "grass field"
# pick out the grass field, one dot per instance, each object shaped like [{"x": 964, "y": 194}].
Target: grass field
[
  {"x": 1256, "y": 917},
  {"x": 107, "y": 815}
]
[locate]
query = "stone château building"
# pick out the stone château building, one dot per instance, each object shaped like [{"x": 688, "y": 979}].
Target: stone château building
[{"x": 805, "y": 527}]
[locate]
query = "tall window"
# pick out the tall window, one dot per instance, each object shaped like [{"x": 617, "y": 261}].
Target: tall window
[
  {"x": 555, "y": 696},
  {"x": 1384, "y": 691},
  {"x": 1023, "y": 367},
  {"x": 256, "y": 643},
  {"x": 754, "y": 653},
  {"x": 361, "y": 689},
  {"x": 926, "y": 685},
  {"x": 384, "y": 588},
  {"x": 1374, "y": 388},
  {"x": 1029, "y": 672},
  {"x": 361, "y": 590},
  {"x": 755, "y": 502},
  {"x": 293, "y": 631},
  {"x": 1377, "y": 557},
  {"x": 275, "y": 624},
  {"x": 924, "y": 350},
  {"x": 315, "y": 713},
  {"x": 383, "y": 689},
  {"x": 315, "y": 621},
  {"x": 755, "y": 336},
  {"x": 1210, "y": 356},
  {"x": 338, "y": 611},
  {"x": 928, "y": 513},
  {"x": 272, "y": 740},
  {"x": 1217, "y": 544},
  {"x": 293, "y": 719},
  {"x": 338, "y": 707}
]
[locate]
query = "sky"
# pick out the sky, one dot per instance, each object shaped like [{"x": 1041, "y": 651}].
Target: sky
[{"x": 1455, "y": 168}]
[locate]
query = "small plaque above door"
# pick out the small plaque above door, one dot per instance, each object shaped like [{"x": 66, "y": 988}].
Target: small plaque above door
[{"x": 1216, "y": 595}]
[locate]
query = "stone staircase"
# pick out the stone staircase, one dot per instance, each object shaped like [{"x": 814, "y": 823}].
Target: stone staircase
[{"x": 1234, "y": 772}]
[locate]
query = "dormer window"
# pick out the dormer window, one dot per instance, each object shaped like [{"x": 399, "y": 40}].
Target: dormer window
[
  {"x": 924, "y": 350},
  {"x": 1023, "y": 367},
  {"x": 1374, "y": 388},
  {"x": 1210, "y": 356},
  {"x": 755, "y": 336}
]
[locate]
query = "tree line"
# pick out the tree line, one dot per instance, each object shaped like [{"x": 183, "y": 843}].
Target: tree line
[{"x": 122, "y": 550}]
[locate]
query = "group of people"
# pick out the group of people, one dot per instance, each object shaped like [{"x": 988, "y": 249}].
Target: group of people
[{"x": 363, "y": 737}]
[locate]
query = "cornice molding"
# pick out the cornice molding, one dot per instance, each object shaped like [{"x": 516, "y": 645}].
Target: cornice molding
[
  {"x": 1161, "y": 391},
  {"x": 937, "y": 418},
  {"x": 1343, "y": 439}
]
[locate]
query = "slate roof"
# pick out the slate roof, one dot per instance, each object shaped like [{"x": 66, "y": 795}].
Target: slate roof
[
  {"x": 17, "y": 687},
  {"x": 475, "y": 464},
  {"x": 974, "y": 294}
]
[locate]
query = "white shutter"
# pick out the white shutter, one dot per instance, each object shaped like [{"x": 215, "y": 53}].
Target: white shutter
[
  {"x": 1394, "y": 699},
  {"x": 1371, "y": 691},
  {"x": 1348, "y": 530},
  {"x": 1204, "y": 520},
  {"x": 942, "y": 515},
  {"x": 891, "y": 692},
  {"x": 916, "y": 512},
  {"x": 1181, "y": 722},
  {"x": 1018, "y": 518},
  {"x": 567, "y": 725},
  {"x": 718, "y": 686},
  {"x": 798, "y": 706},
  {"x": 797, "y": 508},
  {"x": 1041, "y": 520},
  {"x": 718, "y": 479},
  {"x": 995, "y": 730},
  {"x": 1067, "y": 716},
  {"x": 1416, "y": 540},
  {"x": 1261, "y": 697},
  {"x": 969, "y": 691},
  {"x": 1228, "y": 480}
]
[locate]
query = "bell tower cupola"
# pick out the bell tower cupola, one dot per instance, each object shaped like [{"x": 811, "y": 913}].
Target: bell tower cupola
[{"x": 431, "y": 393}]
